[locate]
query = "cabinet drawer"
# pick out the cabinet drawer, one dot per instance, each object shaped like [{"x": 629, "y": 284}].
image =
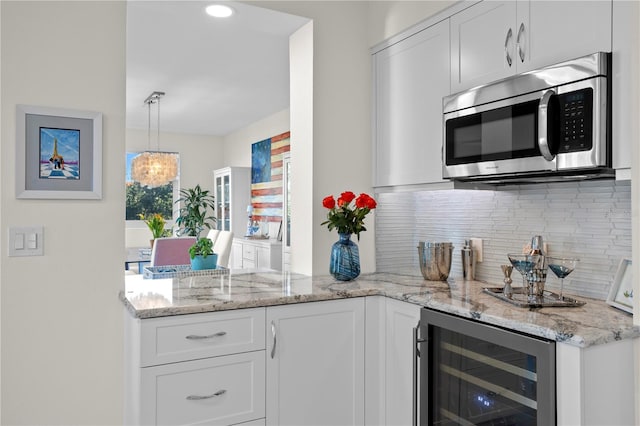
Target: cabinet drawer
[
  {"x": 215, "y": 391},
  {"x": 188, "y": 337},
  {"x": 248, "y": 251}
]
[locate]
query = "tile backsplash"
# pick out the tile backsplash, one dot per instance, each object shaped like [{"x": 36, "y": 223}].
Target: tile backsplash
[{"x": 590, "y": 220}]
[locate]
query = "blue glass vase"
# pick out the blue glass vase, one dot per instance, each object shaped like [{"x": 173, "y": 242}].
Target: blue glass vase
[{"x": 345, "y": 259}]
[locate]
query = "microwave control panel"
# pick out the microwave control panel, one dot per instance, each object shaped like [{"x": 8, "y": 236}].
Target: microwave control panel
[{"x": 576, "y": 126}]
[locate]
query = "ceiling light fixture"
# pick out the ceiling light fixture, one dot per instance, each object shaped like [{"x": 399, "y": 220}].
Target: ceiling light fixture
[
  {"x": 219, "y": 11},
  {"x": 154, "y": 168}
]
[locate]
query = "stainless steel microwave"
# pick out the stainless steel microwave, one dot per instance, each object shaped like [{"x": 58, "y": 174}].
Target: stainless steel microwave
[{"x": 548, "y": 124}]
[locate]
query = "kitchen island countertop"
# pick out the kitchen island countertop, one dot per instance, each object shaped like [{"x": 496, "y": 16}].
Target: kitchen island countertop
[{"x": 594, "y": 323}]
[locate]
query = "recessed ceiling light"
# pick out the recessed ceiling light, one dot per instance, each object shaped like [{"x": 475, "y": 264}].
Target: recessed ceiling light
[{"x": 219, "y": 11}]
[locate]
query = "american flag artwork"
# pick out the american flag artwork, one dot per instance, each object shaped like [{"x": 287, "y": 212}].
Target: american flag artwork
[{"x": 266, "y": 177}]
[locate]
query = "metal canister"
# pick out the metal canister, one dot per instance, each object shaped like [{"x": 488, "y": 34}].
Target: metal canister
[
  {"x": 468, "y": 262},
  {"x": 435, "y": 260}
]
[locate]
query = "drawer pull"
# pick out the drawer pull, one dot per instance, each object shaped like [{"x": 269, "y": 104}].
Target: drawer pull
[
  {"x": 201, "y": 397},
  {"x": 210, "y": 336}
]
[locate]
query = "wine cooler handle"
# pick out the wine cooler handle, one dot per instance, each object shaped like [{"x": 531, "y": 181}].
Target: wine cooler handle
[{"x": 416, "y": 354}]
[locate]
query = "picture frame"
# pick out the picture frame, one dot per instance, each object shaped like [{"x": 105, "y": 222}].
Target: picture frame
[
  {"x": 621, "y": 292},
  {"x": 58, "y": 153}
]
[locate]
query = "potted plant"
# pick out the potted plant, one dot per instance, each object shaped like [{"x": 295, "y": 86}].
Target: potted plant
[
  {"x": 202, "y": 255},
  {"x": 193, "y": 218},
  {"x": 193, "y": 215},
  {"x": 156, "y": 223}
]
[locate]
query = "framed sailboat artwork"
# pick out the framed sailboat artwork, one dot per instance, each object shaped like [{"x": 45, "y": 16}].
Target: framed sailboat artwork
[{"x": 58, "y": 153}]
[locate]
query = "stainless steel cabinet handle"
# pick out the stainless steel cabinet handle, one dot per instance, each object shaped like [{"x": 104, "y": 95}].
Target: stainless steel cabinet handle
[
  {"x": 273, "y": 334},
  {"x": 210, "y": 336},
  {"x": 201, "y": 397},
  {"x": 520, "y": 50},
  {"x": 506, "y": 45},
  {"x": 416, "y": 354},
  {"x": 543, "y": 114}
]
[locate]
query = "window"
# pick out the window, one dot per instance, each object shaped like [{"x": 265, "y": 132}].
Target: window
[{"x": 141, "y": 200}]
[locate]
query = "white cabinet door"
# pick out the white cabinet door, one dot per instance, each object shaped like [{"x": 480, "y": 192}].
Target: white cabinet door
[
  {"x": 625, "y": 130},
  {"x": 594, "y": 384},
  {"x": 401, "y": 318},
  {"x": 495, "y": 39},
  {"x": 553, "y": 35},
  {"x": 263, "y": 257},
  {"x": 236, "y": 256},
  {"x": 315, "y": 363},
  {"x": 483, "y": 44},
  {"x": 232, "y": 196},
  {"x": 411, "y": 78}
]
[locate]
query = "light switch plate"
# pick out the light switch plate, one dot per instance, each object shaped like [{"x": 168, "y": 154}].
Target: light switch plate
[{"x": 26, "y": 241}]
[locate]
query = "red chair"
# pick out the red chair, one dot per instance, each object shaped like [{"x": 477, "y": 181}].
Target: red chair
[{"x": 171, "y": 251}]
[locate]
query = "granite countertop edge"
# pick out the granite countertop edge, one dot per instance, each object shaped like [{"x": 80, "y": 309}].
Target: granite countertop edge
[{"x": 557, "y": 324}]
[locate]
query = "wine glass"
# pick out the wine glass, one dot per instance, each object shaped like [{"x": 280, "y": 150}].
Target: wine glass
[
  {"x": 561, "y": 267},
  {"x": 524, "y": 264}
]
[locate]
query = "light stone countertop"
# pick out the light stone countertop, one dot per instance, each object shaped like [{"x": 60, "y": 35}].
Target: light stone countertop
[{"x": 594, "y": 323}]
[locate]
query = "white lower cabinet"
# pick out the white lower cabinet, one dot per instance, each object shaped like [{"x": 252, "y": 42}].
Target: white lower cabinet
[
  {"x": 304, "y": 364},
  {"x": 196, "y": 369},
  {"x": 315, "y": 363},
  {"x": 401, "y": 318},
  {"x": 252, "y": 254},
  {"x": 594, "y": 385},
  {"x": 215, "y": 391}
]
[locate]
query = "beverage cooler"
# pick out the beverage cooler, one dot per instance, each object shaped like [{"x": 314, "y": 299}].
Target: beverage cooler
[{"x": 469, "y": 373}]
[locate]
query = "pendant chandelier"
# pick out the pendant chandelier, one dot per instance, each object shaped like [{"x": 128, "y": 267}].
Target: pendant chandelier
[{"x": 154, "y": 168}]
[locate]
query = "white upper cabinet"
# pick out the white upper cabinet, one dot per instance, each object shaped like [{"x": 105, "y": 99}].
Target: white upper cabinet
[
  {"x": 562, "y": 30},
  {"x": 625, "y": 130},
  {"x": 482, "y": 44},
  {"x": 495, "y": 39},
  {"x": 411, "y": 78}
]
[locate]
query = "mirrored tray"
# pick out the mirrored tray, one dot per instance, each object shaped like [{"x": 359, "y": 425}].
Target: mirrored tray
[
  {"x": 548, "y": 299},
  {"x": 180, "y": 271}
]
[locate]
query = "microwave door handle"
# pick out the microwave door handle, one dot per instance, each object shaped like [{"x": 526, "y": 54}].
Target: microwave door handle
[{"x": 543, "y": 127}]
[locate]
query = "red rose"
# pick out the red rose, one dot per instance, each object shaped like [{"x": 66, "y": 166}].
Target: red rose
[
  {"x": 347, "y": 196},
  {"x": 329, "y": 202},
  {"x": 341, "y": 202},
  {"x": 365, "y": 200},
  {"x": 371, "y": 203}
]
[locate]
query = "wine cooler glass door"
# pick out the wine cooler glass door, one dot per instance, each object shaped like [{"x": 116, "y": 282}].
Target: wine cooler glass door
[{"x": 482, "y": 375}]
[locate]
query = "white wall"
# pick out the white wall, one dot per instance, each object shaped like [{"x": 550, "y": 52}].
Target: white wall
[
  {"x": 339, "y": 155},
  {"x": 62, "y": 330},
  {"x": 237, "y": 145},
  {"x": 199, "y": 155},
  {"x": 301, "y": 151}
]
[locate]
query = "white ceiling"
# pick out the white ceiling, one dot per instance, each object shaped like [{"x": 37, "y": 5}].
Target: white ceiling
[{"x": 219, "y": 75}]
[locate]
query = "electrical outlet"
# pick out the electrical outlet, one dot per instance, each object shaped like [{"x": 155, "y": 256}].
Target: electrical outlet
[{"x": 476, "y": 245}]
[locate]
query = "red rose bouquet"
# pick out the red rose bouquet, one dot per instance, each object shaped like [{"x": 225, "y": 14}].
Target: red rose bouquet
[{"x": 345, "y": 218}]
